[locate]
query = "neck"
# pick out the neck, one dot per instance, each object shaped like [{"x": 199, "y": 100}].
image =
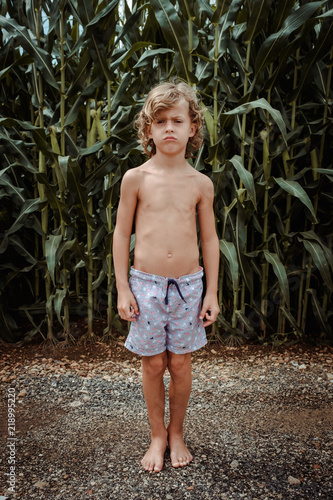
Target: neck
[{"x": 170, "y": 162}]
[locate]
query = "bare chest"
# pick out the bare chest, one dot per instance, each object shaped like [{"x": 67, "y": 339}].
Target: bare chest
[{"x": 169, "y": 197}]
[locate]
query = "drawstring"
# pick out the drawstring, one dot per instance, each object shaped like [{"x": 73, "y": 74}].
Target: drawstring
[{"x": 172, "y": 282}]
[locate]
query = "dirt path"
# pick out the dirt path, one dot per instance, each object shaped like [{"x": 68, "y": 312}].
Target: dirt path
[{"x": 259, "y": 425}]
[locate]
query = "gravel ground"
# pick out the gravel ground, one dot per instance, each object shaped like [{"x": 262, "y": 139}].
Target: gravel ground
[{"x": 259, "y": 426}]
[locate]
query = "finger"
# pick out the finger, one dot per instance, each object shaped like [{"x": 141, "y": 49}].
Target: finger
[
  {"x": 210, "y": 318},
  {"x": 203, "y": 312},
  {"x": 135, "y": 307},
  {"x": 207, "y": 323},
  {"x": 127, "y": 314},
  {"x": 134, "y": 312}
]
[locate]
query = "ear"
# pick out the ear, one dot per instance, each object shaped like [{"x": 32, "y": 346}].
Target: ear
[{"x": 193, "y": 129}]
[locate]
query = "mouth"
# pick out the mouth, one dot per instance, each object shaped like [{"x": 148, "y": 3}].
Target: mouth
[{"x": 170, "y": 138}]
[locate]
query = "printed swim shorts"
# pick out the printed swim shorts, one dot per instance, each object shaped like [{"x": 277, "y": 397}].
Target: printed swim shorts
[{"x": 168, "y": 314}]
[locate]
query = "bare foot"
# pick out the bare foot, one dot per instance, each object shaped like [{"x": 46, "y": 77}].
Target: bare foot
[
  {"x": 179, "y": 453},
  {"x": 154, "y": 458}
]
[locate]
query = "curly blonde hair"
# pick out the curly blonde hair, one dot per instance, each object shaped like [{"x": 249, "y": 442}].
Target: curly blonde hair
[{"x": 164, "y": 96}]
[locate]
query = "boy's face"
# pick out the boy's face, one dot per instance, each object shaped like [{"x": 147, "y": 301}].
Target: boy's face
[{"x": 172, "y": 128}]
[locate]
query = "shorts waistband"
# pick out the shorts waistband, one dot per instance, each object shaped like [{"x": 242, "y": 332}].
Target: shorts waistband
[{"x": 135, "y": 273}]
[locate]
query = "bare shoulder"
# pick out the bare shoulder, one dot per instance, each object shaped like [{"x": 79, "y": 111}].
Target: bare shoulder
[
  {"x": 132, "y": 178},
  {"x": 133, "y": 174},
  {"x": 204, "y": 184}
]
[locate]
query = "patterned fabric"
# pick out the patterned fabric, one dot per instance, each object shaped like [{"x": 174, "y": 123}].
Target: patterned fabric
[{"x": 169, "y": 314}]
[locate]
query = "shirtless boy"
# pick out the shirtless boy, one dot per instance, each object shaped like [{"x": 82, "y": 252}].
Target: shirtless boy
[{"x": 162, "y": 299}]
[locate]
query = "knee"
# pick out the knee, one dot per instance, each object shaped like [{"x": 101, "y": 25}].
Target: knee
[
  {"x": 179, "y": 365},
  {"x": 154, "y": 366}
]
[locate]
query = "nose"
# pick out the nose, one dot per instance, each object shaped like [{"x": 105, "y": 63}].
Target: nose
[{"x": 169, "y": 125}]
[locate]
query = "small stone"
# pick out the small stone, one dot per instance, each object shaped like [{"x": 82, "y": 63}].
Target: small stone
[
  {"x": 74, "y": 404},
  {"x": 234, "y": 464},
  {"x": 42, "y": 484},
  {"x": 22, "y": 393},
  {"x": 293, "y": 481},
  {"x": 329, "y": 376}
]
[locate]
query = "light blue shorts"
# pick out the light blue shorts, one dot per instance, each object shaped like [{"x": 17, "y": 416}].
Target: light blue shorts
[{"x": 168, "y": 314}]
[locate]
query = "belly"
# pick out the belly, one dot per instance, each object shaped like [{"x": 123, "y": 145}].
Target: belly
[{"x": 170, "y": 258}]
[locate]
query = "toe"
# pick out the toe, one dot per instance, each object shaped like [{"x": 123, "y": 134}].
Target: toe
[
  {"x": 181, "y": 462},
  {"x": 147, "y": 465}
]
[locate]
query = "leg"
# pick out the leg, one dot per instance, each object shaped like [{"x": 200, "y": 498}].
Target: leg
[
  {"x": 180, "y": 369},
  {"x": 153, "y": 368}
]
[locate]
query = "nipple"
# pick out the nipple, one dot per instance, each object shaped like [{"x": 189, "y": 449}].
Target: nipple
[{"x": 169, "y": 255}]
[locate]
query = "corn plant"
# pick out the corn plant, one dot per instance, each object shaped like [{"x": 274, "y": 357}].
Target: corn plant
[{"x": 74, "y": 74}]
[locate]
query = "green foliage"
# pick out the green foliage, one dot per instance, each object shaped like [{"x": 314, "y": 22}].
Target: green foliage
[{"x": 73, "y": 75}]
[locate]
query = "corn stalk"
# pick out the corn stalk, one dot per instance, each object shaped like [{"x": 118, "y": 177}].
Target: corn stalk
[
  {"x": 41, "y": 188},
  {"x": 61, "y": 183}
]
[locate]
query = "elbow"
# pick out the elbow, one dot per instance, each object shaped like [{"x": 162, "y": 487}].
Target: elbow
[{"x": 211, "y": 240}]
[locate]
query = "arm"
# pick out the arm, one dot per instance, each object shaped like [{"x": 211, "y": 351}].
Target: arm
[
  {"x": 121, "y": 244},
  {"x": 210, "y": 252}
]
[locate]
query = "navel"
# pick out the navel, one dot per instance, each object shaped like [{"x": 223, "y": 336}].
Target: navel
[{"x": 169, "y": 255}]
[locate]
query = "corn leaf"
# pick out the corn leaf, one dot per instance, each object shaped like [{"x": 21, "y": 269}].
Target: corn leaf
[
  {"x": 228, "y": 250},
  {"x": 320, "y": 261},
  {"x": 323, "y": 44},
  {"x": 149, "y": 55},
  {"x": 292, "y": 321},
  {"x": 228, "y": 20},
  {"x": 258, "y": 17},
  {"x": 52, "y": 244},
  {"x": 295, "y": 189},
  {"x": 319, "y": 313},
  {"x": 222, "y": 7},
  {"x": 52, "y": 197},
  {"x": 41, "y": 58},
  {"x": 280, "y": 273},
  {"x": 246, "y": 177},
  {"x": 167, "y": 17},
  {"x": 79, "y": 192},
  {"x": 58, "y": 300},
  {"x": 16, "y": 241},
  {"x": 262, "y": 104},
  {"x": 28, "y": 207},
  {"x": 273, "y": 45},
  {"x": 311, "y": 235}
]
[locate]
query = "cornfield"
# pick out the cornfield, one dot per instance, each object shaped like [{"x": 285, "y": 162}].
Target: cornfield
[{"x": 74, "y": 74}]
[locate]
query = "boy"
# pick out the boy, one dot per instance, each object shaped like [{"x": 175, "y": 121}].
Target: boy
[{"x": 162, "y": 299}]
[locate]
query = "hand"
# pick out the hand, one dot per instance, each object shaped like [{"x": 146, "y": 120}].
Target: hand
[
  {"x": 210, "y": 310},
  {"x": 127, "y": 306}
]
